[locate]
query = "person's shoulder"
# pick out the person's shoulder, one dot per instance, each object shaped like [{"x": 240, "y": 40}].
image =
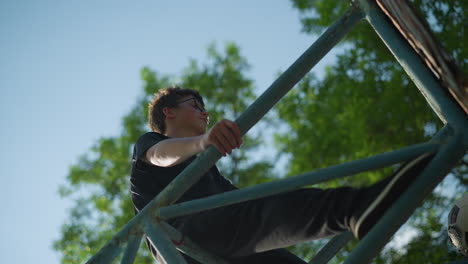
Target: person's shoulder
[
  {"x": 152, "y": 136},
  {"x": 147, "y": 140}
]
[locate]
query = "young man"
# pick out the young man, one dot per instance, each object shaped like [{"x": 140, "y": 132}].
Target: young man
[{"x": 253, "y": 231}]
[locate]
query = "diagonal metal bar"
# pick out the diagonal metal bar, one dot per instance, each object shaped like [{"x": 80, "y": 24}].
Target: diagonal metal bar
[
  {"x": 132, "y": 249},
  {"x": 115, "y": 245},
  {"x": 263, "y": 104},
  {"x": 446, "y": 109},
  {"x": 162, "y": 242},
  {"x": 423, "y": 79},
  {"x": 292, "y": 183},
  {"x": 413, "y": 197},
  {"x": 190, "y": 248},
  {"x": 107, "y": 253},
  {"x": 299, "y": 68},
  {"x": 331, "y": 248}
]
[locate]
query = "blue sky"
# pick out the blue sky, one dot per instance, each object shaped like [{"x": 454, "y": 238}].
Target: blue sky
[{"x": 70, "y": 71}]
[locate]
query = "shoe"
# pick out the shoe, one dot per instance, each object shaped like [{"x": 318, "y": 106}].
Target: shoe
[{"x": 377, "y": 198}]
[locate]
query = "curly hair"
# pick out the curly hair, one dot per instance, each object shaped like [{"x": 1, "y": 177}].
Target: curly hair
[{"x": 167, "y": 97}]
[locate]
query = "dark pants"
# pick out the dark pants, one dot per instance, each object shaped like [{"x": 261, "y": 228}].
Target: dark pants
[{"x": 255, "y": 231}]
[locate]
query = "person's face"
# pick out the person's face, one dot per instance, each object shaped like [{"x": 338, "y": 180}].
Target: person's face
[{"x": 192, "y": 115}]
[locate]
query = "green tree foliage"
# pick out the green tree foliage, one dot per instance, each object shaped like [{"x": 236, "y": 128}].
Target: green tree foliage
[
  {"x": 99, "y": 182},
  {"x": 365, "y": 105}
]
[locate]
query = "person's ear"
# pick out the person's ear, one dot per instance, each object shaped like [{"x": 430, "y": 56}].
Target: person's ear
[{"x": 169, "y": 112}]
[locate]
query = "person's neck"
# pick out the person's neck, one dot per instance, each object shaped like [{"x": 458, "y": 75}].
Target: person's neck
[{"x": 179, "y": 133}]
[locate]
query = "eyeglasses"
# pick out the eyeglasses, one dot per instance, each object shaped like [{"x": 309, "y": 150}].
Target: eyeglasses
[{"x": 196, "y": 104}]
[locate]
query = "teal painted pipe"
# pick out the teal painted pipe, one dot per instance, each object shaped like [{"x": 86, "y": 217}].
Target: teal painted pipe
[
  {"x": 165, "y": 247},
  {"x": 293, "y": 183},
  {"x": 402, "y": 209},
  {"x": 131, "y": 250},
  {"x": 459, "y": 262},
  {"x": 259, "y": 108},
  {"x": 262, "y": 105},
  {"x": 106, "y": 254},
  {"x": 207, "y": 159},
  {"x": 190, "y": 248},
  {"x": 115, "y": 246},
  {"x": 331, "y": 248},
  {"x": 436, "y": 96},
  {"x": 299, "y": 68}
]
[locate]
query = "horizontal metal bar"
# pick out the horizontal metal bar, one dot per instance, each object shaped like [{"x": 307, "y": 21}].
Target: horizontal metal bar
[
  {"x": 413, "y": 197},
  {"x": 114, "y": 246},
  {"x": 331, "y": 248},
  {"x": 293, "y": 183},
  {"x": 262, "y": 105},
  {"x": 131, "y": 251},
  {"x": 133, "y": 228},
  {"x": 465, "y": 261},
  {"x": 190, "y": 248},
  {"x": 162, "y": 242}
]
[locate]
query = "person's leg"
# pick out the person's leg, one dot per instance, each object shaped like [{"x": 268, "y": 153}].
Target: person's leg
[
  {"x": 276, "y": 256},
  {"x": 289, "y": 218},
  {"x": 270, "y": 223},
  {"x": 376, "y": 199}
]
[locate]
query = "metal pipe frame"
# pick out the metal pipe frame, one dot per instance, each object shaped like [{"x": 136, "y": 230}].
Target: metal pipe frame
[
  {"x": 115, "y": 245},
  {"x": 447, "y": 110},
  {"x": 293, "y": 183},
  {"x": 131, "y": 250},
  {"x": 149, "y": 220},
  {"x": 264, "y": 103},
  {"x": 164, "y": 244},
  {"x": 300, "y": 68},
  {"x": 413, "y": 197},
  {"x": 338, "y": 242},
  {"x": 258, "y": 109},
  {"x": 459, "y": 262},
  {"x": 442, "y": 163},
  {"x": 190, "y": 248},
  {"x": 247, "y": 120},
  {"x": 331, "y": 248}
]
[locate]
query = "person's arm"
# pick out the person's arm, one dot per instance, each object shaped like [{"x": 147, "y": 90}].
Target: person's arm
[{"x": 224, "y": 136}]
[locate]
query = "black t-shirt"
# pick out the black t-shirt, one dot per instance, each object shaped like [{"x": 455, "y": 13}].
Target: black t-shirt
[{"x": 148, "y": 180}]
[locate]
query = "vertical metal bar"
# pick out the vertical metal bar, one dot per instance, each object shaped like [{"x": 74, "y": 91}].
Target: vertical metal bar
[
  {"x": 331, "y": 248},
  {"x": 264, "y": 103},
  {"x": 292, "y": 183},
  {"x": 131, "y": 251},
  {"x": 414, "y": 67},
  {"x": 402, "y": 209},
  {"x": 190, "y": 248},
  {"x": 163, "y": 243}
]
